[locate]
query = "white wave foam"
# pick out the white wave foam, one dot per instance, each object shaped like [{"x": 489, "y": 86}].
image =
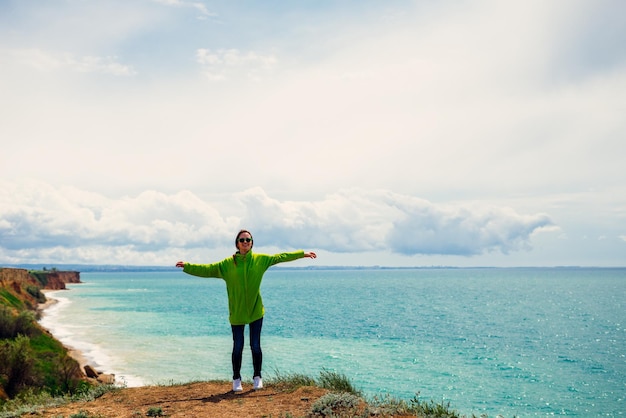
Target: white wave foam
[{"x": 69, "y": 335}]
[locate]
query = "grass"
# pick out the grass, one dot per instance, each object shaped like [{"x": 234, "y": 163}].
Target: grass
[
  {"x": 290, "y": 382},
  {"x": 333, "y": 381},
  {"x": 343, "y": 400},
  {"x": 9, "y": 299},
  {"x": 347, "y": 401},
  {"x": 31, "y": 401},
  {"x": 337, "y": 382}
]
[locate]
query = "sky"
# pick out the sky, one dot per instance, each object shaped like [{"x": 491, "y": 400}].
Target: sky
[{"x": 375, "y": 133}]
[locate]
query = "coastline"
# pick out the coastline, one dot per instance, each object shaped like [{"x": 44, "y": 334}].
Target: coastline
[
  {"x": 86, "y": 368},
  {"x": 41, "y": 307}
]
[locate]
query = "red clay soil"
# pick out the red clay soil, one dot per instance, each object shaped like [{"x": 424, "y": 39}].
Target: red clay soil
[{"x": 202, "y": 399}]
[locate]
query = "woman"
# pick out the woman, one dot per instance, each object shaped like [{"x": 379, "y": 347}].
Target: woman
[{"x": 243, "y": 273}]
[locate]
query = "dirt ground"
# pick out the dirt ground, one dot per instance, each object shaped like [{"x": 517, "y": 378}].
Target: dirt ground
[{"x": 203, "y": 399}]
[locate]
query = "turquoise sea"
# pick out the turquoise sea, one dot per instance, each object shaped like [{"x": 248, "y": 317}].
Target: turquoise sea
[{"x": 518, "y": 341}]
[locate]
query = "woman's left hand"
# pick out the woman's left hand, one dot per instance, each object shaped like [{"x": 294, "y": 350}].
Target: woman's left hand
[{"x": 310, "y": 255}]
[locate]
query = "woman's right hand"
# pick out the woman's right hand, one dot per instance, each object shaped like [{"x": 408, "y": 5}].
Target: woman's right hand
[{"x": 180, "y": 264}]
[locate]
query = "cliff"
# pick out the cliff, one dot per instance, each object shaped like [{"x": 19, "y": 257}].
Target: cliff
[
  {"x": 47, "y": 279},
  {"x": 20, "y": 287},
  {"x": 56, "y": 280},
  {"x": 30, "y": 357}
]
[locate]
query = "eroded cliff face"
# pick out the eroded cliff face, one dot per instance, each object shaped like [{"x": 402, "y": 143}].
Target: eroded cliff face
[
  {"x": 10, "y": 275},
  {"x": 57, "y": 279},
  {"x": 14, "y": 284},
  {"x": 18, "y": 281}
]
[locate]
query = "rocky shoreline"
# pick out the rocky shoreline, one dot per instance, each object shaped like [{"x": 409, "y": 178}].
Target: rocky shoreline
[
  {"x": 20, "y": 282},
  {"x": 88, "y": 370}
]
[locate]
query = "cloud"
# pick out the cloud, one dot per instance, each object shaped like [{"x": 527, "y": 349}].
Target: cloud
[
  {"x": 427, "y": 229},
  {"x": 41, "y": 216},
  {"x": 47, "y": 62},
  {"x": 455, "y": 104},
  {"x": 201, "y": 8},
  {"x": 358, "y": 220},
  {"x": 224, "y": 64},
  {"x": 40, "y": 220},
  {"x": 431, "y": 103}
]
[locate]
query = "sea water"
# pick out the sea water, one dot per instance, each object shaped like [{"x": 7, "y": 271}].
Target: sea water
[{"x": 519, "y": 341}]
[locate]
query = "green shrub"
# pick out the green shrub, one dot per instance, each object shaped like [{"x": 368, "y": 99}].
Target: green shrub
[
  {"x": 336, "y": 404},
  {"x": 66, "y": 376},
  {"x": 155, "y": 411},
  {"x": 36, "y": 292},
  {"x": 30, "y": 356},
  {"x": 25, "y": 324},
  {"x": 12, "y": 325},
  {"x": 41, "y": 276},
  {"x": 60, "y": 373},
  {"x": 16, "y": 365},
  {"x": 7, "y": 321}
]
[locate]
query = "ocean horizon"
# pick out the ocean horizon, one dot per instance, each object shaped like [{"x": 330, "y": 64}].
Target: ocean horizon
[{"x": 526, "y": 341}]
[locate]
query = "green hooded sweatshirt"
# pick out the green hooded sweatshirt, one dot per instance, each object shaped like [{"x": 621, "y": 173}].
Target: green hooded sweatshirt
[{"x": 243, "y": 275}]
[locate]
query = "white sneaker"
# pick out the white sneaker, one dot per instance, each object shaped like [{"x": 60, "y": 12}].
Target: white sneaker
[
  {"x": 237, "y": 385},
  {"x": 258, "y": 383}
]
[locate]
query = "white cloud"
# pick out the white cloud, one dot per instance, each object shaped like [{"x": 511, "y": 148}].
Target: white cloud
[
  {"x": 41, "y": 219},
  {"x": 47, "y": 62},
  {"x": 200, "y": 7},
  {"x": 359, "y": 220},
  {"x": 508, "y": 104},
  {"x": 226, "y": 64}
]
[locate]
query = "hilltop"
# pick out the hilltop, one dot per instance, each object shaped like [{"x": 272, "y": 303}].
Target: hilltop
[{"x": 200, "y": 399}]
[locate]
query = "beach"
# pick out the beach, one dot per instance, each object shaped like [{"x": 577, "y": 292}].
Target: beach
[{"x": 76, "y": 354}]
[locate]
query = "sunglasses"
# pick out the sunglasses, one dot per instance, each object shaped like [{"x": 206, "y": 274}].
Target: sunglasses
[{"x": 245, "y": 239}]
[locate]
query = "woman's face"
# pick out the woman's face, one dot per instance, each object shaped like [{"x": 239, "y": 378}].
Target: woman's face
[{"x": 244, "y": 242}]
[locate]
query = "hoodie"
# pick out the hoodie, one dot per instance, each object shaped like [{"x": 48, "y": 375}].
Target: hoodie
[{"x": 243, "y": 275}]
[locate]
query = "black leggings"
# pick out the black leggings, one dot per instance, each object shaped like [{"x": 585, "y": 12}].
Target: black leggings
[{"x": 255, "y": 347}]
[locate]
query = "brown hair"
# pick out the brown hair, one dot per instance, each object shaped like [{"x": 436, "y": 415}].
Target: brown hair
[{"x": 241, "y": 231}]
